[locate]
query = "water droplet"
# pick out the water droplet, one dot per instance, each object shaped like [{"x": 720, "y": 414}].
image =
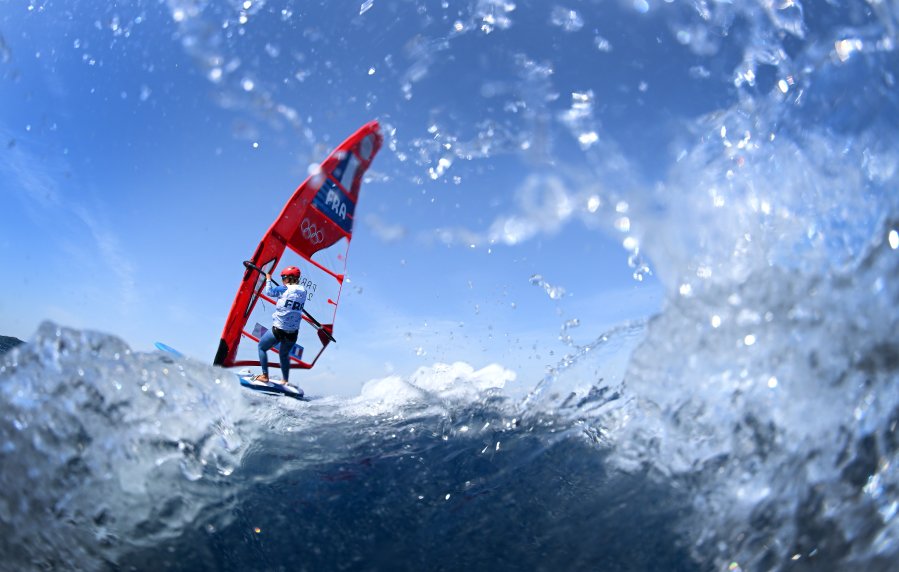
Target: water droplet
[
  {"x": 568, "y": 20},
  {"x": 554, "y": 292},
  {"x": 845, "y": 48},
  {"x": 587, "y": 139},
  {"x": 602, "y": 44}
]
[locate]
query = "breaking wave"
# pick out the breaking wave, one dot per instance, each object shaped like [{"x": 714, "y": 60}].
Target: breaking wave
[{"x": 748, "y": 429}]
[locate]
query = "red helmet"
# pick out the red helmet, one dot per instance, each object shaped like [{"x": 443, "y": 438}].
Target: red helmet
[{"x": 291, "y": 271}]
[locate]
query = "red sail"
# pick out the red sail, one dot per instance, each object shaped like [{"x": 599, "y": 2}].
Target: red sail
[{"x": 313, "y": 232}]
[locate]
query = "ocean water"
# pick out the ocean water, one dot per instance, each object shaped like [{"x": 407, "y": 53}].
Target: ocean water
[
  {"x": 751, "y": 424},
  {"x": 667, "y": 445},
  {"x": 116, "y": 459}
]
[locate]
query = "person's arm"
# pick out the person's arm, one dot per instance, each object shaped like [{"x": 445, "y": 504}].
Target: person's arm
[
  {"x": 272, "y": 290},
  {"x": 268, "y": 284}
]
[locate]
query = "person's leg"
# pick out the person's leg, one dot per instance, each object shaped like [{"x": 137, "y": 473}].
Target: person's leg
[
  {"x": 266, "y": 343},
  {"x": 285, "y": 361},
  {"x": 284, "y": 353}
]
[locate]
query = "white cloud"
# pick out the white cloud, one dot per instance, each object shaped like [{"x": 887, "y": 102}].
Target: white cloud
[
  {"x": 544, "y": 204},
  {"x": 384, "y": 230}
]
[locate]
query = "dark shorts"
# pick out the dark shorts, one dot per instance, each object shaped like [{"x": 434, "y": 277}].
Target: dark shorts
[{"x": 284, "y": 336}]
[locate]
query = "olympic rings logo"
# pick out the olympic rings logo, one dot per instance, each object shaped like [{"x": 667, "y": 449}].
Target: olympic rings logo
[{"x": 311, "y": 233}]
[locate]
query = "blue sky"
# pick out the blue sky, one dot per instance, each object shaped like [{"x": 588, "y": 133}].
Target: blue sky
[{"x": 145, "y": 148}]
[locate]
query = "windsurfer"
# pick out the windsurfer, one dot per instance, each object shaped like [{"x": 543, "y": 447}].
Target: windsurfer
[{"x": 285, "y": 321}]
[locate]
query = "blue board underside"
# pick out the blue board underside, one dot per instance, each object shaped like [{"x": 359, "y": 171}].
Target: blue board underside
[
  {"x": 333, "y": 202},
  {"x": 246, "y": 380},
  {"x": 272, "y": 388},
  {"x": 167, "y": 349}
]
